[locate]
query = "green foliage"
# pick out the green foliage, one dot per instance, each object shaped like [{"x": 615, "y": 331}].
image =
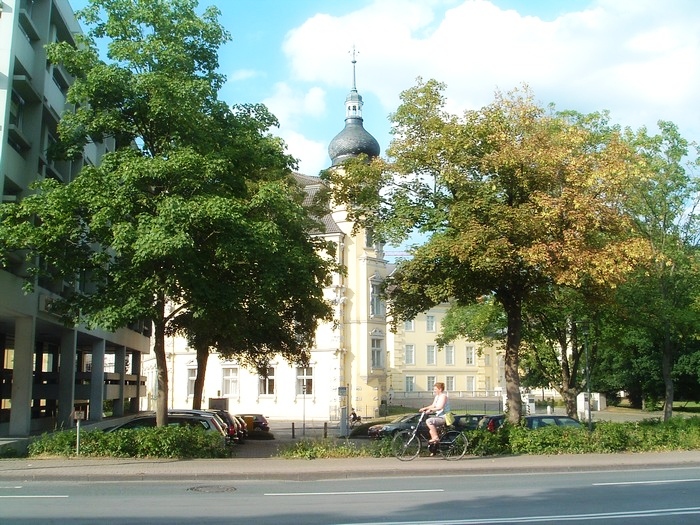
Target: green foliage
[
  {"x": 160, "y": 442},
  {"x": 192, "y": 206},
  {"x": 321, "y": 448},
  {"x": 517, "y": 199}
]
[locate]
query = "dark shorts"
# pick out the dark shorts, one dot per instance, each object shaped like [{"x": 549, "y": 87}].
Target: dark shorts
[{"x": 436, "y": 421}]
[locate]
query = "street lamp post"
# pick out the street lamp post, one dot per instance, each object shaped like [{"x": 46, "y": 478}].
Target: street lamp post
[{"x": 303, "y": 409}]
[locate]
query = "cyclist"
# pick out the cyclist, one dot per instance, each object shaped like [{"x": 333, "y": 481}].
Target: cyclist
[{"x": 440, "y": 406}]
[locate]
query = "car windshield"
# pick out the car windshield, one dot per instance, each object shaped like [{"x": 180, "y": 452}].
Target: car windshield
[{"x": 405, "y": 418}]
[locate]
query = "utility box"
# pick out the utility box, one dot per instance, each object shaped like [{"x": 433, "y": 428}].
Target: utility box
[{"x": 218, "y": 403}]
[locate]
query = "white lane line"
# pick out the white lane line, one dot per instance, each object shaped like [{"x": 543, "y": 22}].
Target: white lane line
[
  {"x": 350, "y": 493},
  {"x": 29, "y": 497},
  {"x": 12, "y": 488},
  {"x": 657, "y": 482},
  {"x": 604, "y": 516}
]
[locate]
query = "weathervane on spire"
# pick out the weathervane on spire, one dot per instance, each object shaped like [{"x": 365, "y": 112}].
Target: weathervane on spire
[{"x": 354, "y": 61}]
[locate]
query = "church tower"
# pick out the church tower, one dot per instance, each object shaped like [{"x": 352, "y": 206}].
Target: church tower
[
  {"x": 362, "y": 313},
  {"x": 354, "y": 140}
]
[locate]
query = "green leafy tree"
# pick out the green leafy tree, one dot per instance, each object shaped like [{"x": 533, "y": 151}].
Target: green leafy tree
[
  {"x": 660, "y": 303},
  {"x": 193, "y": 212},
  {"x": 514, "y": 197}
]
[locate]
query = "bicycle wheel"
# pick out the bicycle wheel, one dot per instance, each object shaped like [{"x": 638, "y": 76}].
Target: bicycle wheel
[
  {"x": 453, "y": 445},
  {"x": 405, "y": 446}
]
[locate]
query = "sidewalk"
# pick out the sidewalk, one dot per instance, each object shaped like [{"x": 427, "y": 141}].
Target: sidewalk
[{"x": 82, "y": 470}]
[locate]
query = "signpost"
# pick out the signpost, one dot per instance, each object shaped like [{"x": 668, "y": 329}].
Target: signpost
[{"x": 78, "y": 415}]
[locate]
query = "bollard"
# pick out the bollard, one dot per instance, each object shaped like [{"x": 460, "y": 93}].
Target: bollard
[
  {"x": 293, "y": 430},
  {"x": 325, "y": 429},
  {"x": 549, "y": 409}
]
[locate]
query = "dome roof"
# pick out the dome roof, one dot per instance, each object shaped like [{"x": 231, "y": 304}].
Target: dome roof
[{"x": 354, "y": 140}]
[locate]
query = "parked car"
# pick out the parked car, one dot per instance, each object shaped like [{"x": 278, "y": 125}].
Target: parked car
[
  {"x": 467, "y": 421},
  {"x": 493, "y": 423},
  {"x": 236, "y": 430},
  {"x": 206, "y": 421},
  {"x": 218, "y": 421},
  {"x": 259, "y": 421},
  {"x": 408, "y": 421},
  {"x": 404, "y": 422},
  {"x": 242, "y": 426}
]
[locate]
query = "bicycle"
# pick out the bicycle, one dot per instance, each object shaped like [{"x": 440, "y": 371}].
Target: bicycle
[{"x": 407, "y": 444}]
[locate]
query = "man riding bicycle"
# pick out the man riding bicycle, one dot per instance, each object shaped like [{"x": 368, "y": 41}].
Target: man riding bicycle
[{"x": 440, "y": 406}]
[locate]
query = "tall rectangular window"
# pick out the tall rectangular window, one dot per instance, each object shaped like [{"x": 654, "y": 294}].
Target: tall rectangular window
[
  {"x": 487, "y": 359},
  {"x": 229, "y": 387},
  {"x": 429, "y": 323},
  {"x": 470, "y": 355},
  {"x": 450, "y": 383},
  {"x": 375, "y": 301},
  {"x": 377, "y": 353},
  {"x": 410, "y": 383},
  {"x": 305, "y": 380},
  {"x": 430, "y": 355},
  {"x": 471, "y": 383},
  {"x": 409, "y": 355},
  {"x": 267, "y": 382},
  {"x": 449, "y": 355},
  {"x": 191, "y": 376},
  {"x": 409, "y": 326},
  {"x": 431, "y": 383}
]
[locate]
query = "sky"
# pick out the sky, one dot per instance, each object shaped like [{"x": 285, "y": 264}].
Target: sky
[{"x": 638, "y": 59}]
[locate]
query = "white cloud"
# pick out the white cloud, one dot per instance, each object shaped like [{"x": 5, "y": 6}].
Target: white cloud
[
  {"x": 290, "y": 105},
  {"x": 243, "y": 74},
  {"x": 637, "y": 58},
  {"x": 312, "y": 155}
]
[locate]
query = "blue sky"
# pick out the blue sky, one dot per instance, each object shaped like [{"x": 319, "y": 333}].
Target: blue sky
[{"x": 639, "y": 59}]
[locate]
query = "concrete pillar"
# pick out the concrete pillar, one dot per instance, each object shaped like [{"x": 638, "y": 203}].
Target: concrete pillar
[
  {"x": 22, "y": 377},
  {"x": 97, "y": 380},
  {"x": 66, "y": 378},
  {"x": 120, "y": 368}
]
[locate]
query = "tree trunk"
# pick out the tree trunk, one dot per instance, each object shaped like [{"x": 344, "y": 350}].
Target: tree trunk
[
  {"x": 666, "y": 368},
  {"x": 161, "y": 365},
  {"x": 202, "y": 358},
  {"x": 513, "y": 308}
]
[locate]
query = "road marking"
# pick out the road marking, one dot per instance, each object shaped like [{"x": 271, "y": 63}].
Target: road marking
[
  {"x": 350, "y": 493},
  {"x": 604, "y": 516},
  {"x": 646, "y": 482},
  {"x": 37, "y": 496}
]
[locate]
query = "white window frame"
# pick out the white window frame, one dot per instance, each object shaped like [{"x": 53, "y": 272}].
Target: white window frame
[
  {"x": 430, "y": 323},
  {"x": 230, "y": 381},
  {"x": 409, "y": 354},
  {"x": 191, "y": 378},
  {"x": 470, "y": 356},
  {"x": 376, "y": 305},
  {"x": 449, "y": 355},
  {"x": 471, "y": 384},
  {"x": 450, "y": 383},
  {"x": 410, "y": 383},
  {"x": 377, "y": 352},
  {"x": 266, "y": 385},
  {"x": 431, "y": 355},
  {"x": 431, "y": 380},
  {"x": 305, "y": 378},
  {"x": 409, "y": 326}
]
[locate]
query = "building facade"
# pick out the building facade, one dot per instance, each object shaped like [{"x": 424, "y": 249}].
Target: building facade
[
  {"x": 356, "y": 362},
  {"x": 48, "y": 371}
]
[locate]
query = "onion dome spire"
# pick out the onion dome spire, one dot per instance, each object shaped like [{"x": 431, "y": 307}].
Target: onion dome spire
[{"x": 354, "y": 140}]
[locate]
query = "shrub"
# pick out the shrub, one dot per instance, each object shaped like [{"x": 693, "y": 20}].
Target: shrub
[{"x": 159, "y": 442}]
